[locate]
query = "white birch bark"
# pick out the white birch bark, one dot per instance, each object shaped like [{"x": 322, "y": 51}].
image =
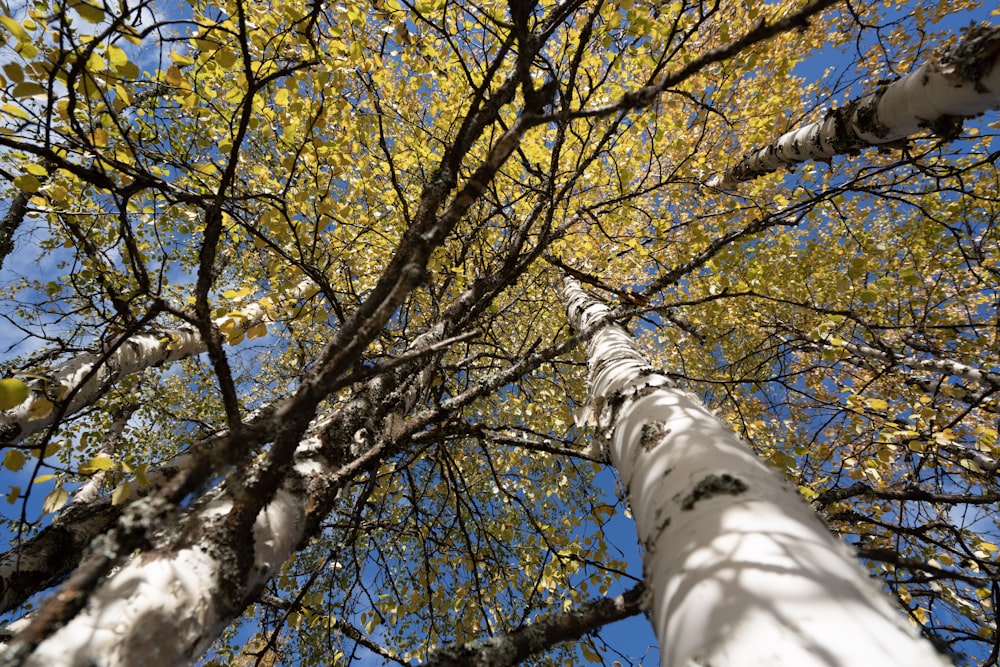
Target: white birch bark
[
  {"x": 986, "y": 379},
  {"x": 739, "y": 569},
  {"x": 162, "y": 609},
  {"x": 960, "y": 83},
  {"x": 91, "y": 490},
  {"x": 88, "y": 374}
]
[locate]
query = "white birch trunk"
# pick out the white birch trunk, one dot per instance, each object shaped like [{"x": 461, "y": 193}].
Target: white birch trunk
[
  {"x": 162, "y": 608},
  {"x": 987, "y": 380},
  {"x": 740, "y": 570},
  {"x": 960, "y": 83},
  {"x": 88, "y": 374}
]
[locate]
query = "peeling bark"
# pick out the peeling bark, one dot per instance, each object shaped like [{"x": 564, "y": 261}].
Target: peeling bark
[
  {"x": 962, "y": 82},
  {"x": 740, "y": 570}
]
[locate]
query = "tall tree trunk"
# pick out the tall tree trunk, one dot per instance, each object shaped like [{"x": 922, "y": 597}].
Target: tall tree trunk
[
  {"x": 959, "y": 83},
  {"x": 739, "y": 569}
]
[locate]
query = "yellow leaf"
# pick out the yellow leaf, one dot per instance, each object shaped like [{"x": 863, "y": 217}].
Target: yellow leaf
[
  {"x": 58, "y": 194},
  {"x": 27, "y": 183},
  {"x": 95, "y": 63},
  {"x": 121, "y": 493},
  {"x": 56, "y": 498},
  {"x": 14, "y": 460},
  {"x": 237, "y": 294},
  {"x": 122, "y": 97},
  {"x": 40, "y": 409},
  {"x": 589, "y": 653},
  {"x": 14, "y": 72},
  {"x": 877, "y": 404},
  {"x": 970, "y": 465},
  {"x": 15, "y": 28},
  {"x": 28, "y": 89},
  {"x": 50, "y": 449},
  {"x": 954, "y": 392},
  {"x": 117, "y": 56},
  {"x": 15, "y": 111},
  {"x": 36, "y": 169},
  {"x": 140, "y": 474},
  {"x": 27, "y": 50},
  {"x": 258, "y": 331},
  {"x": 173, "y": 76},
  {"x": 13, "y": 391},
  {"x": 13, "y": 494},
  {"x": 225, "y": 57},
  {"x": 95, "y": 464},
  {"x": 89, "y": 13}
]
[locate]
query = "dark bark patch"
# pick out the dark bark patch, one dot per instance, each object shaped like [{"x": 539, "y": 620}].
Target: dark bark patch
[
  {"x": 652, "y": 434},
  {"x": 713, "y": 485}
]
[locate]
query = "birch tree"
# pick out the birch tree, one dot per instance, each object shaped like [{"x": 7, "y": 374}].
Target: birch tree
[
  {"x": 288, "y": 377},
  {"x": 739, "y": 569},
  {"x": 958, "y": 83}
]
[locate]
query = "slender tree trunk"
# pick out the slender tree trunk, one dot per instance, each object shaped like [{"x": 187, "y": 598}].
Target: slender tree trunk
[
  {"x": 960, "y": 83},
  {"x": 944, "y": 367},
  {"x": 84, "y": 378},
  {"x": 740, "y": 570}
]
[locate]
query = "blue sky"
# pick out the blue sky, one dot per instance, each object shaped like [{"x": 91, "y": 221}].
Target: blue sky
[{"x": 633, "y": 637}]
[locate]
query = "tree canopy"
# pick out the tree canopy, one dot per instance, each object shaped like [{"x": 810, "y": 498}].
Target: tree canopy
[{"x": 281, "y": 286}]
